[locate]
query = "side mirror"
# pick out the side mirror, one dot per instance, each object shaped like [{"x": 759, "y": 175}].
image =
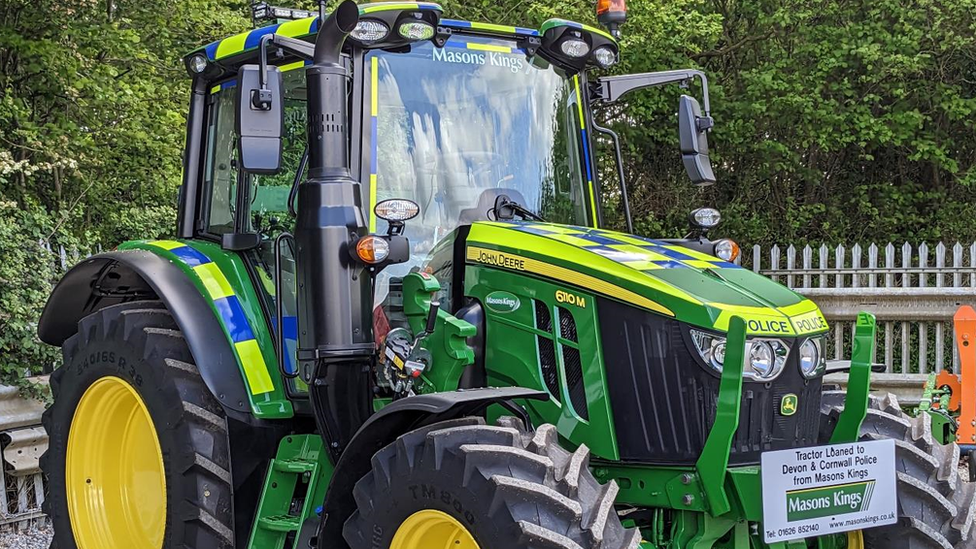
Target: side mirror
[
  {"x": 260, "y": 119},
  {"x": 692, "y": 128}
]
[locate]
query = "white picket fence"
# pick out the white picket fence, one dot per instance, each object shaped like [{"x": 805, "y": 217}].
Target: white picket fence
[{"x": 913, "y": 290}]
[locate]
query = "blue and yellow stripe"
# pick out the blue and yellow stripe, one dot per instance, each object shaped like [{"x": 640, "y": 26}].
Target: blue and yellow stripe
[
  {"x": 488, "y": 28},
  {"x": 229, "y": 311},
  {"x": 374, "y": 107},
  {"x": 584, "y": 137}
]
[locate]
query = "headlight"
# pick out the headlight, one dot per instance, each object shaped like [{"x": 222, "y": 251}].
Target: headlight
[
  {"x": 765, "y": 358},
  {"x": 368, "y": 31},
  {"x": 605, "y": 57},
  {"x": 811, "y": 357},
  {"x": 711, "y": 348}
]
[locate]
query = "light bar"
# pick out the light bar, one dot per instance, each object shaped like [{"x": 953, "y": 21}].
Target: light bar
[{"x": 262, "y": 11}]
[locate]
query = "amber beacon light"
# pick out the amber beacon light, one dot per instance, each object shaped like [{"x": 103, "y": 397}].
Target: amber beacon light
[{"x": 612, "y": 14}]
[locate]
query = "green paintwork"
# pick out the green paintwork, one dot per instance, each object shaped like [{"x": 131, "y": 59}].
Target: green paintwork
[
  {"x": 848, "y": 427},
  {"x": 664, "y": 487},
  {"x": 301, "y": 462},
  {"x": 664, "y": 278},
  {"x": 714, "y": 459},
  {"x": 944, "y": 424},
  {"x": 271, "y": 405},
  {"x": 515, "y": 362},
  {"x": 448, "y": 342}
]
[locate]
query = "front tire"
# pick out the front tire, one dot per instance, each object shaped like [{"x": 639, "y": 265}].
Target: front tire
[
  {"x": 936, "y": 506},
  {"x": 139, "y": 454},
  {"x": 465, "y": 484}
]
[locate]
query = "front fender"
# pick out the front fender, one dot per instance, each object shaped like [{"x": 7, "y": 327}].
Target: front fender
[
  {"x": 117, "y": 277},
  {"x": 385, "y": 426}
]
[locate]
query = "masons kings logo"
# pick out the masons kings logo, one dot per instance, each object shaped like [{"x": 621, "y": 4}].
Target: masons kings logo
[
  {"x": 788, "y": 405},
  {"x": 502, "y": 302},
  {"x": 828, "y": 501}
]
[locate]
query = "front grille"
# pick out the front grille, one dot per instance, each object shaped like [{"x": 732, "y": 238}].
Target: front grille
[
  {"x": 547, "y": 349},
  {"x": 573, "y": 364},
  {"x": 664, "y": 399}
]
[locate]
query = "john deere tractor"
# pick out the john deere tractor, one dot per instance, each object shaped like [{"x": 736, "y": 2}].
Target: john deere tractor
[{"x": 390, "y": 318}]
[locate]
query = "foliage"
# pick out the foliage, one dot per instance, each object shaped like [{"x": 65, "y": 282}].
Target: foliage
[
  {"x": 836, "y": 121},
  {"x": 92, "y": 101}
]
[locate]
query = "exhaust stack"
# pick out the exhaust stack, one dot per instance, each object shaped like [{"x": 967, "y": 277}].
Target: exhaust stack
[{"x": 335, "y": 341}]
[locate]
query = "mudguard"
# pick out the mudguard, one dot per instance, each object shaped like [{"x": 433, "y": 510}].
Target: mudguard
[
  {"x": 117, "y": 277},
  {"x": 385, "y": 426}
]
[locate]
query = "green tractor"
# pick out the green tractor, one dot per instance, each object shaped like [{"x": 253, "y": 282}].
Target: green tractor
[{"x": 291, "y": 371}]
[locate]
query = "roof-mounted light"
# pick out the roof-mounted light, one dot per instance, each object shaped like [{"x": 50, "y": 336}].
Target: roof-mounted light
[
  {"x": 197, "y": 63},
  {"x": 416, "y": 30},
  {"x": 370, "y": 31},
  {"x": 612, "y": 14},
  {"x": 396, "y": 24},
  {"x": 573, "y": 46},
  {"x": 263, "y": 12},
  {"x": 605, "y": 57}
]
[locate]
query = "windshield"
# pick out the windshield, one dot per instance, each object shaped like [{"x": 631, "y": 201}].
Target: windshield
[{"x": 455, "y": 127}]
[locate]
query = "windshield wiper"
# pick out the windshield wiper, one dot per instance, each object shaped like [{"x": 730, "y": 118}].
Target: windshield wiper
[{"x": 506, "y": 209}]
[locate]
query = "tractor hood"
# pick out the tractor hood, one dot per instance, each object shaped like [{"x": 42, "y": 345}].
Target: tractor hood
[{"x": 664, "y": 278}]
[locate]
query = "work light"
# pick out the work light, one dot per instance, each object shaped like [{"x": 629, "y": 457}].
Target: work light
[
  {"x": 396, "y": 210},
  {"x": 575, "y": 47},
  {"x": 197, "y": 64},
  {"x": 394, "y": 25},
  {"x": 605, "y": 57},
  {"x": 416, "y": 30},
  {"x": 706, "y": 218},
  {"x": 370, "y": 31}
]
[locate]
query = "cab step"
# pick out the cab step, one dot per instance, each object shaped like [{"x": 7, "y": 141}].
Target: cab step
[{"x": 294, "y": 489}]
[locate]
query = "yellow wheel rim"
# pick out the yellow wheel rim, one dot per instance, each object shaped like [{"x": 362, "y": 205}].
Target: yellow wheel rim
[
  {"x": 114, "y": 475},
  {"x": 430, "y": 529},
  {"x": 855, "y": 540}
]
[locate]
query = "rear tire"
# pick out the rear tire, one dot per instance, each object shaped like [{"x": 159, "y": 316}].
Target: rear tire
[
  {"x": 507, "y": 487},
  {"x": 936, "y": 506},
  {"x": 139, "y": 343}
]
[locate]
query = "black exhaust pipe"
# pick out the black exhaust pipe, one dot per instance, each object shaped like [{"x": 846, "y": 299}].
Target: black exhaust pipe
[{"x": 335, "y": 340}]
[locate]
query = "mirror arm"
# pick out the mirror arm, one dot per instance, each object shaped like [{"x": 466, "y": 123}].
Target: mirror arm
[
  {"x": 612, "y": 88},
  {"x": 299, "y": 48},
  {"x": 294, "y": 46},
  {"x": 620, "y": 172}
]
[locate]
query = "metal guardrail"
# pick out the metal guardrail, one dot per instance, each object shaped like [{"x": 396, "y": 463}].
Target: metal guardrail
[
  {"x": 912, "y": 296},
  {"x": 22, "y": 442},
  {"x": 907, "y": 387}
]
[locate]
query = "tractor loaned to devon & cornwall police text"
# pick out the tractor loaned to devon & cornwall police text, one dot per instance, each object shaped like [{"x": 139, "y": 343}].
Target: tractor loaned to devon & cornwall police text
[{"x": 291, "y": 371}]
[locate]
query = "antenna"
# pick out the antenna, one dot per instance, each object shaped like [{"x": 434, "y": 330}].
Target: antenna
[{"x": 321, "y": 12}]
